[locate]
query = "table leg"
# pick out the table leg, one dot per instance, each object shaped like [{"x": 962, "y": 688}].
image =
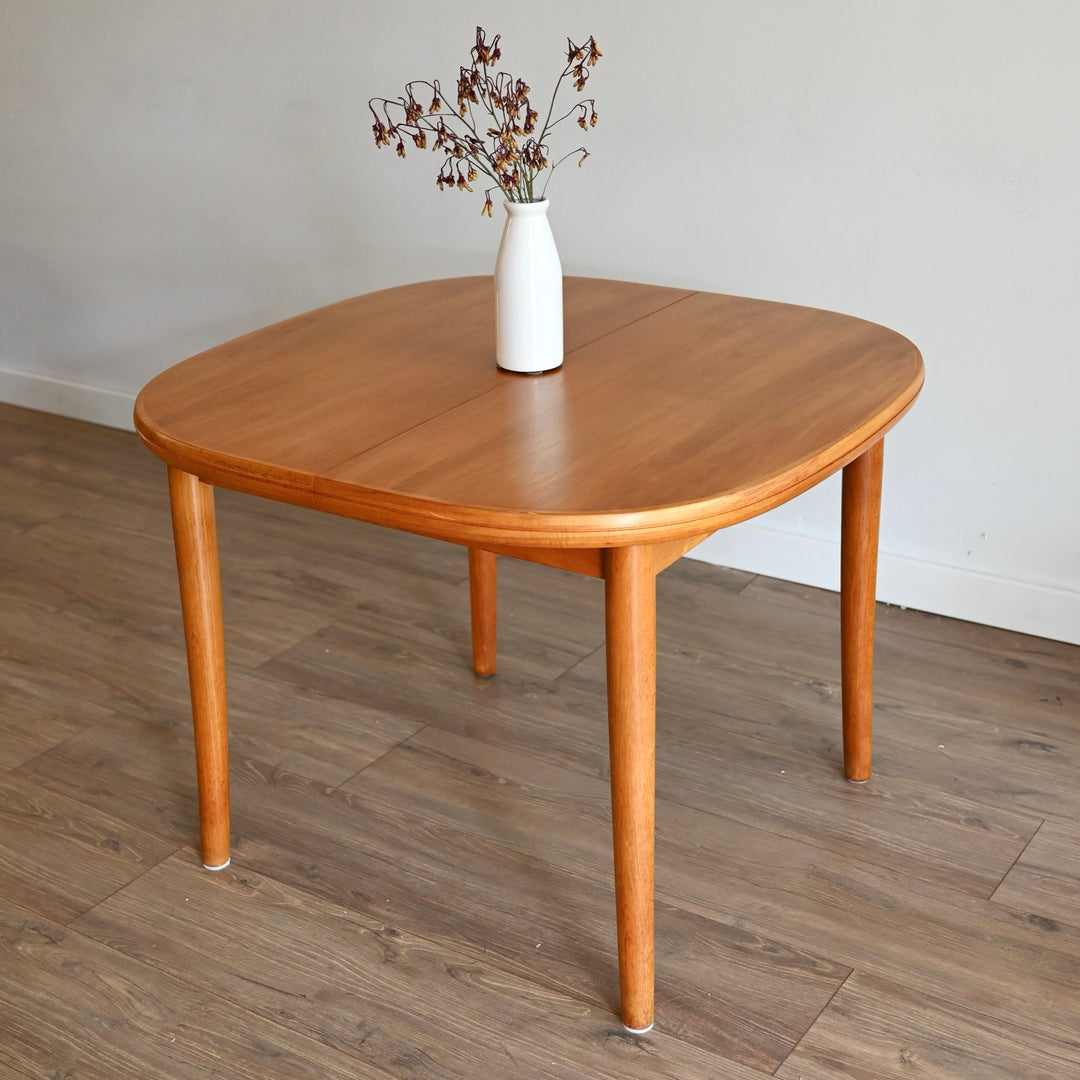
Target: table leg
[
  {"x": 631, "y": 687},
  {"x": 858, "y": 579},
  {"x": 195, "y": 535},
  {"x": 482, "y": 599}
]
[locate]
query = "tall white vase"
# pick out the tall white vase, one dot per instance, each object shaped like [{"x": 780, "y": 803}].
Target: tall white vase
[{"x": 528, "y": 292}]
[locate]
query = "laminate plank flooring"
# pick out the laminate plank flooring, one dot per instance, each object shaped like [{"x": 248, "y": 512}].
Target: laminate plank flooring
[
  {"x": 75, "y": 1008},
  {"x": 421, "y": 883}
]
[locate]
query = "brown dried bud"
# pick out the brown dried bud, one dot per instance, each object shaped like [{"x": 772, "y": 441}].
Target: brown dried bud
[{"x": 483, "y": 53}]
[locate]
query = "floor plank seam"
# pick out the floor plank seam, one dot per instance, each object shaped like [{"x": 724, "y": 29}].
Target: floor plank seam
[
  {"x": 573, "y": 667},
  {"x": 810, "y": 1027},
  {"x": 390, "y": 750},
  {"x": 1013, "y": 865},
  {"x": 745, "y": 585},
  {"x": 103, "y": 899},
  {"x": 30, "y": 761}
]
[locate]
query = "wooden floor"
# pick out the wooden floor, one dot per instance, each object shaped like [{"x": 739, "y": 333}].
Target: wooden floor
[{"x": 422, "y": 882}]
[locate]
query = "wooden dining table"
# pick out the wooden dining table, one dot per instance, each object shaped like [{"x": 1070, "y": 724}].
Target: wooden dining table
[{"x": 676, "y": 413}]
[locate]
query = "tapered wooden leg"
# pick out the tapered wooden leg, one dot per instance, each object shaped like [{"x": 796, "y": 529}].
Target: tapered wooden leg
[
  {"x": 195, "y": 535},
  {"x": 631, "y": 688},
  {"x": 858, "y": 579},
  {"x": 482, "y": 599}
]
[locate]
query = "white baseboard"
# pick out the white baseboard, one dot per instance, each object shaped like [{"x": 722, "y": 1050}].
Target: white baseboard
[
  {"x": 944, "y": 590},
  {"x": 77, "y": 400}
]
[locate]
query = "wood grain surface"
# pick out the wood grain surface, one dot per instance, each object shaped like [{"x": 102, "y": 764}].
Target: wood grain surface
[
  {"x": 421, "y": 884},
  {"x": 674, "y": 414}
]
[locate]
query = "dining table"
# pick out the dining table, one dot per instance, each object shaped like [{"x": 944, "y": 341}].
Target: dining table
[{"x": 676, "y": 412}]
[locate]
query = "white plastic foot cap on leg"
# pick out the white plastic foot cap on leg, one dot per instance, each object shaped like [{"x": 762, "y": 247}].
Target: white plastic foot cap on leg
[
  {"x": 221, "y": 867},
  {"x": 637, "y": 1031}
]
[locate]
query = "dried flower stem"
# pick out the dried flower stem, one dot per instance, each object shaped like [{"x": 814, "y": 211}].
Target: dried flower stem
[{"x": 509, "y": 152}]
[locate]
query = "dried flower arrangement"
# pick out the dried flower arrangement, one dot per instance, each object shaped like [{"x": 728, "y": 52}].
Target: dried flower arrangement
[{"x": 509, "y": 152}]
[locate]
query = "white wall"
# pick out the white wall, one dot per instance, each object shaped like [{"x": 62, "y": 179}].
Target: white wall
[{"x": 174, "y": 174}]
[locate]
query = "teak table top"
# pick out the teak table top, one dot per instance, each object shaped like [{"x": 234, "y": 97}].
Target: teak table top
[{"x": 674, "y": 414}]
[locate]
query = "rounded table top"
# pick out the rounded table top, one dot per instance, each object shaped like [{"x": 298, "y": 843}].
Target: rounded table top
[{"x": 675, "y": 412}]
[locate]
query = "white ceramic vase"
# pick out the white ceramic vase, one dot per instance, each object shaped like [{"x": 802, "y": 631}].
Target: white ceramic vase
[{"x": 528, "y": 292}]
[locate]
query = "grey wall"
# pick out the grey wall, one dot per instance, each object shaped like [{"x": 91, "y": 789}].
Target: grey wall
[{"x": 175, "y": 174}]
